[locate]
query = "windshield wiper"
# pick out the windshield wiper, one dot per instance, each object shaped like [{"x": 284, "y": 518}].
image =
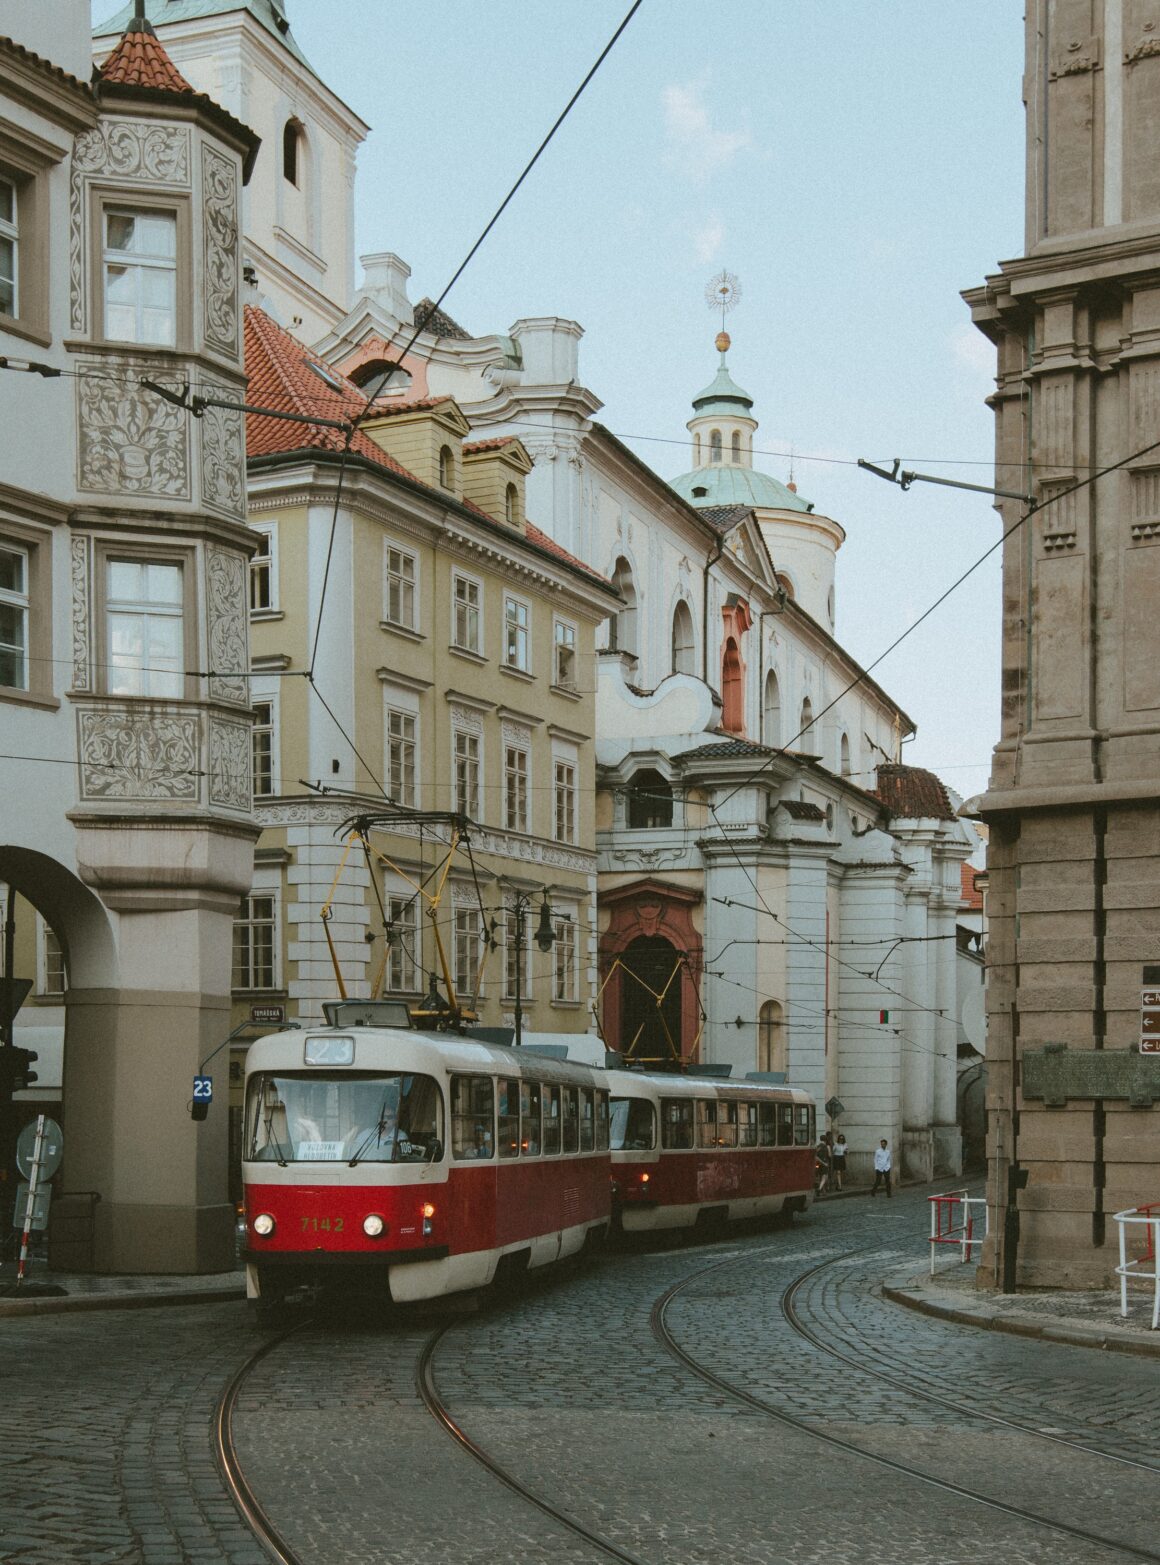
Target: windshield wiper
[
  {"x": 375, "y": 1134},
  {"x": 272, "y": 1136}
]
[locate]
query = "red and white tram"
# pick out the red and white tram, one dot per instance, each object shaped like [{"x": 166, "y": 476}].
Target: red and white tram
[
  {"x": 432, "y": 1158},
  {"x": 686, "y": 1148}
]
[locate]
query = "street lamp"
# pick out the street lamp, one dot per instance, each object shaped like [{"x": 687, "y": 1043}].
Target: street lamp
[{"x": 545, "y": 939}]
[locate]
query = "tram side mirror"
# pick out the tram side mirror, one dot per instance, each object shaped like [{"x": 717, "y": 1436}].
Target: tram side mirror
[
  {"x": 198, "y": 1109},
  {"x": 435, "y": 1152}
]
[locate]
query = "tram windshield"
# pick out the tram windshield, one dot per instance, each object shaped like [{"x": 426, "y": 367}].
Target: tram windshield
[
  {"x": 634, "y": 1125},
  {"x": 354, "y": 1119}
]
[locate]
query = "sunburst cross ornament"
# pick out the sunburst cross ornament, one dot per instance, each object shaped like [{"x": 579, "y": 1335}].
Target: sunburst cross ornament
[{"x": 723, "y": 293}]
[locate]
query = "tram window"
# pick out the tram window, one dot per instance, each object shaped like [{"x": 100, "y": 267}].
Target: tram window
[
  {"x": 768, "y": 1123},
  {"x": 706, "y": 1122},
  {"x": 602, "y": 1122},
  {"x": 587, "y": 1121},
  {"x": 726, "y": 1124},
  {"x": 530, "y": 1118},
  {"x": 472, "y": 1117},
  {"x": 634, "y": 1125},
  {"x": 509, "y": 1118},
  {"x": 676, "y": 1124},
  {"x": 747, "y": 1124},
  {"x": 803, "y": 1130},
  {"x": 551, "y": 1120},
  {"x": 785, "y": 1124},
  {"x": 357, "y": 1119},
  {"x": 813, "y": 1126},
  {"x": 571, "y": 1119}
]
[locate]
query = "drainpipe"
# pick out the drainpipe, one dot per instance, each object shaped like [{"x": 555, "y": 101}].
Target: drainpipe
[{"x": 709, "y": 564}]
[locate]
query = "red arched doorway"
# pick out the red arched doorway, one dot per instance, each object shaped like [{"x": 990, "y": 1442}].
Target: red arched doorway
[{"x": 651, "y": 944}]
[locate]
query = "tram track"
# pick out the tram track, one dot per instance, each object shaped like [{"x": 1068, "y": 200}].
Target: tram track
[{"x": 665, "y": 1337}]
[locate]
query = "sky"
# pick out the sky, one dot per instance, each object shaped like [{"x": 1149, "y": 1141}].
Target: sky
[{"x": 856, "y": 163}]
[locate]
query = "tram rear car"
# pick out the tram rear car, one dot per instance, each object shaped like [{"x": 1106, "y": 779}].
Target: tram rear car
[
  {"x": 688, "y": 1148},
  {"x": 428, "y": 1159}
]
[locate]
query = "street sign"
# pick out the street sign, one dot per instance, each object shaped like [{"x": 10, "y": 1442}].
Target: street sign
[
  {"x": 203, "y": 1089},
  {"x": 834, "y": 1107},
  {"x": 267, "y": 1015},
  {"x": 51, "y": 1149},
  {"x": 1150, "y": 1011},
  {"x": 36, "y": 1220}
]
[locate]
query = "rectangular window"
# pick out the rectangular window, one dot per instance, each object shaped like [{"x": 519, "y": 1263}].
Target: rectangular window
[
  {"x": 263, "y": 749},
  {"x": 530, "y": 1118},
  {"x": 706, "y": 1122},
  {"x": 254, "y": 943},
  {"x": 263, "y": 573},
  {"x": 571, "y": 1119},
  {"x": 511, "y": 954},
  {"x": 587, "y": 1121},
  {"x": 467, "y": 941},
  {"x": 726, "y": 1124},
  {"x": 401, "y": 756},
  {"x": 676, "y": 1124},
  {"x": 803, "y": 1130},
  {"x": 747, "y": 1125},
  {"x": 602, "y": 1122},
  {"x": 9, "y": 248},
  {"x": 53, "y": 978},
  {"x": 144, "y": 616},
  {"x": 517, "y": 652},
  {"x": 402, "y": 944},
  {"x": 768, "y": 1121},
  {"x": 401, "y": 568},
  {"x": 565, "y": 799},
  {"x": 551, "y": 1097},
  {"x": 140, "y": 276},
  {"x": 564, "y": 961},
  {"x": 465, "y": 630},
  {"x": 472, "y": 1117},
  {"x": 785, "y": 1124},
  {"x": 467, "y": 773},
  {"x": 564, "y": 672},
  {"x": 515, "y": 788},
  {"x": 509, "y": 1118},
  {"x": 14, "y": 610}
]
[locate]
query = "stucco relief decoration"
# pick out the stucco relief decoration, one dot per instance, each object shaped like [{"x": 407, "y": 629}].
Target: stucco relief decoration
[
  {"x": 79, "y": 574},
  {"x": 1146, "y": 46},
  {"x": 230, "y": 759},
  {"x": 139, "y": 755},
  {"x": 222, "y": 456},
  {"x": 466, "y": 717},
  {"x": 220, "y": 216},
  {"x": 226, "y": 613},
  {"x": 120, "y": 149},
  {"x": 517, "y": 734},
  {"x": 1075, "y": 57},
  {"x": 130, "y": 441}
]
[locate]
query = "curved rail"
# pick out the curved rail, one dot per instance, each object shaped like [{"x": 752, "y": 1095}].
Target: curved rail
[
  {"x": 662, "y": 1334},
  {"x": 425, "y": 1383},
  {"x": 230, "y": 1467},
  {"x": 795, "y": 1321}
]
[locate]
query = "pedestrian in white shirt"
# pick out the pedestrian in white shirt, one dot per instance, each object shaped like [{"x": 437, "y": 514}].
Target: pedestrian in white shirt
[{"x": 883, "y": 1163}]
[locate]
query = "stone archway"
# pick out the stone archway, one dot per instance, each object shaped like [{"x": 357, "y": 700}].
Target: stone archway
[{"x": 651, "y": 941}]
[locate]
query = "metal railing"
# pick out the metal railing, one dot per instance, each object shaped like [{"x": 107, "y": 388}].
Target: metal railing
[
  {"x": 953, "y": 1222},
  {"x": 1140, "y": 1222}
]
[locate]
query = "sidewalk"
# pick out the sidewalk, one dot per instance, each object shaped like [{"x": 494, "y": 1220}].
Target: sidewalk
[{"x": 86, "y": 1291}]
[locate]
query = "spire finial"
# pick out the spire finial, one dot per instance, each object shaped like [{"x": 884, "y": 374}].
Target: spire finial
[
  {"x": 140, "y": 23},
  {"x": 723, "y": 293}
]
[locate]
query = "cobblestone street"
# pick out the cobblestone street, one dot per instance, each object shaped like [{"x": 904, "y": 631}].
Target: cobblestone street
[{"x": 790, "y": 1453}]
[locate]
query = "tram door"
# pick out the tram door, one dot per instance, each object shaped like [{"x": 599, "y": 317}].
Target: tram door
[{"x": 650, "y": 1029}]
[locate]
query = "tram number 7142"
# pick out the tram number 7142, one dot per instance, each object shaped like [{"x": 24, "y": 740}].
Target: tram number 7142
[{"x": 322, "y": 1225}]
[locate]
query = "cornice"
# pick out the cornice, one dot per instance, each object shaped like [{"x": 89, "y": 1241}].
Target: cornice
[
  {"x": 32, "y": 507},
  {"x": 45, "y": 88}
]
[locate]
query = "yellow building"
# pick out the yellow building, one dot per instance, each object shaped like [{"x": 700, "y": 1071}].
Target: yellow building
[{"x": 417, "y": 645}]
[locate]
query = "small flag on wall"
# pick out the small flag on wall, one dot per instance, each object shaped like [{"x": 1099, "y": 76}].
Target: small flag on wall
[{"x": 883, "y": 1016}]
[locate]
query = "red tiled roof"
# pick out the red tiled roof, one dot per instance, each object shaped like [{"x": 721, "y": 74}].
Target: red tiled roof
[
  {"x": 550, "y": 546},
  {"x": 280, "y": 375},
  {"x": 910, "y": 793},
  {"x": 972, "y": 896},
  {"x": 383, "y": 409},
  {"x": 141, "y": 60},
  {"x": 488, "y": 445}
]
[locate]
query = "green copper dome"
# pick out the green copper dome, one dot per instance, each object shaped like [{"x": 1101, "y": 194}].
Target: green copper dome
[
  {"x": 727, "y": 483},
  {"x": 723, "y": 395},
  {"x": 271, "y": 14}
]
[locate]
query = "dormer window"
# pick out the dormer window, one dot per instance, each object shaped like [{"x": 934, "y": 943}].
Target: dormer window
[
  {"x": 446, "y": 467},
  {"x": 714, "y": 445},
  {"x": 291, "y": 136}
]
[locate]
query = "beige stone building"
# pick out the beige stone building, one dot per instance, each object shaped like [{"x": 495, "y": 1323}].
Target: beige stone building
[
  {"x": 450, "y": 668},
  {"x": 1074, "y": 799}
]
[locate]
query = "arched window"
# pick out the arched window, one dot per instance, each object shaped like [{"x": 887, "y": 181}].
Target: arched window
[
  {"x": 771, "y": 1050},
  {"x": 446, "y": 467},
  {"x": 291, "y": 139},
  {"x": 381, "y": 378},
  {"x": 807, "y": 717},
  {"x": 714, "y": 445},
  {"x": 684, "y": 650},
  {"x": 622, "y": 630},
  {"x": 735, "y": 447},
  {"x": 650, "y": 800},
  {"x": 771, "y": 711},
  {"x": 511, "y": 505},
  {"x": 845, "y": 755},
  {"x": 732, "y": 690},
  {"x": 696, "y": 450},
  {"x": 786, "y": 584}
]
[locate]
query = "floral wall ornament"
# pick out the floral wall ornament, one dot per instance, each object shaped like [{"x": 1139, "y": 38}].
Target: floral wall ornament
[
  {"x": 230, "y": 762},
  {"x": 141, "y": 754},
  {"x": 227, "y": 619},
  {"x": 80, "y": 606},
  {"x": 130, "y": 441},
  {"x": 220, "y": 219},
  {"x": 223, "y": 456}
]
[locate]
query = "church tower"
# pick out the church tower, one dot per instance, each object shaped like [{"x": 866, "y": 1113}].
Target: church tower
[
  {"x": 1073, "y": 805},
  {"x": 802, "y": 543},
  {"x": 298, "y": 211}
]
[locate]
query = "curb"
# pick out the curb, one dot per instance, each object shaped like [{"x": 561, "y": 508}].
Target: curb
[
  {"x": 10, "y": 1307},
  {"x": 1072, "y": 1336}
]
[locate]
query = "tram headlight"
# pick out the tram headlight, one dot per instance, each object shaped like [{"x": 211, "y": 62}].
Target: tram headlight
[
  {"x": 644, "y": 1178},
  {"x": 373, "y": 1225},
  {"x": 428, "y": 1209},
  {"x": 264, "y": 1224}
]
